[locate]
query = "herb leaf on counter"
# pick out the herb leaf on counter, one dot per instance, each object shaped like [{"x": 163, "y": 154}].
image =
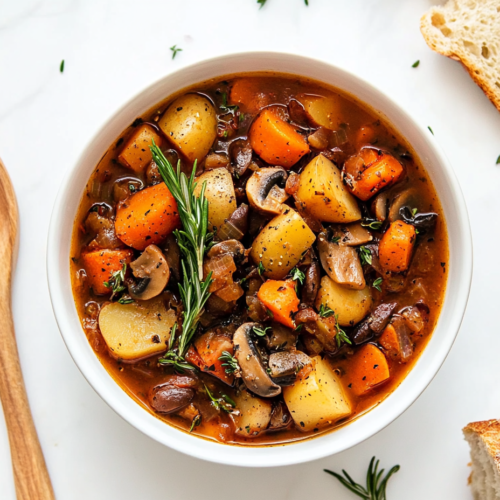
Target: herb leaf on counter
[
  {"x": 376, "y": 483},
  {"x": 61, "y": 67},
  {"x": 174, "y": 50},
  {"x": 416, "y": 64},
  {"x": 498, "y": 160}
]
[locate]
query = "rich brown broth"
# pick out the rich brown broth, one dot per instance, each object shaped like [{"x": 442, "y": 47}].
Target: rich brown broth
[{"x": 425, "y": 281}]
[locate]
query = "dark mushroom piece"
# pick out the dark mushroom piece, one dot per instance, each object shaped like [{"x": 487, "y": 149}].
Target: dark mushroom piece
[
  {"x": 423, "y": 222},
  {"x": 153, "y": 273},
  {"x": 352, "y": 235},
  {"x": 374, "y": 324},
  {"x": 240, "y": 153},
  {"x": 253, "y": 371},
  {"x": 408, "y": 197},
  {"x": 281, "y": 338},
  {"x": 232, "y": 247},
  {"x": 280, "y": 417},
  {"x": 284, "y": 366},
  {"x": 341, "y": 263},
  {"x": 265, "y": 190},
  {"x": 236, "y": 226},
  {"x": 379, "y": 206},
  {"x": 312, "y": 283},
  {"x": 175, "y": 393},
  {"x": 104, "y": 230}
]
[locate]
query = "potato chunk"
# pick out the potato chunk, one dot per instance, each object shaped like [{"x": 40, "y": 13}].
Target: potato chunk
[
  {"x": 136, "y": 154},
  {"x": 322, "y": 111},
  {"x": 220, "y": 195},
  {"x": 137, "y": 330},
  {"x": 282, "y": 243},
  {"x": 323, "y": 194},
  {"x": 254, "y": 414},
  {"x": 318, "y": 399},
  {"x": 350, "y": 305},
  {"x": 190, "y": 123}
]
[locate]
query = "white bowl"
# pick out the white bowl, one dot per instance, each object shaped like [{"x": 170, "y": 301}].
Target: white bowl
[{"x": 457, "y": 292}]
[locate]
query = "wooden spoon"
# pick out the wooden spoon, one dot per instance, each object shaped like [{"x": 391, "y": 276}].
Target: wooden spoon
[{"x": 30, "y": 472}]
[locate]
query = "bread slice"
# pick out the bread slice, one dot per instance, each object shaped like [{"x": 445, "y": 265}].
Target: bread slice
[
  {"x": 484, "y": 441},
  {"x": 468, "y": 31}
]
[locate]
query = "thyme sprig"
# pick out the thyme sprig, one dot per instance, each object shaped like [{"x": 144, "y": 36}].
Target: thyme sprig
[
  {"x": 365, "y": 255},
  {"x": 260, "y": 332},
  {"x": 193, "y": 240},
  {"x": 230, "y": 363},
  {"x": 341, "y": 336},
  {"x": 224, "y": 403},
  {"x": 376, "y": 483},
  {"x": 325, "y": 311},
  {"x": 116, "y": 282},
  {"x": 298, "y": 275}
]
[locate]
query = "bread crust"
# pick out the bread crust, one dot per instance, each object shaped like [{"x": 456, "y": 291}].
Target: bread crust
[
  {"x": 489, "y": 433},
  {"x": 437, "y": 42}
]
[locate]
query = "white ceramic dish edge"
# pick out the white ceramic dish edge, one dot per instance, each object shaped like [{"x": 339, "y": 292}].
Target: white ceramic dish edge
[{"x": 460, "y": 263}]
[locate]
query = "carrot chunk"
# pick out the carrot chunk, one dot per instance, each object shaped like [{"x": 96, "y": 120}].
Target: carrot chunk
[
  {"x": 280, "y": 298},
  {"x": 136, "y": 153},
  {"x": 396, "y": 247},
  {"x": 147, "y": 217},
  {"x": 384, "y": 172},
  {"x": 101, "y": 264},
  {"x": 205, "y": 354},
  {"x": 368, "y": 369},
  {"x": 276, "y": 141},
  {"x": 248, "y": 94},
  {"x": 389, "y": 340}
]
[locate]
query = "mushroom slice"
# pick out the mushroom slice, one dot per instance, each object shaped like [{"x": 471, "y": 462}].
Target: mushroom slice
[
  {"x": 232, "y": 247},
  {"x": 281, "y": 338},
  {"x": 153, "y": 273},
  {"x": 341, "y": 263},
  {"x": 280, "y": 417},
  {"x": 253, "y": 371},
  {"x": 408, "y": 197},
  {"x": 379, "y": 206},
  {"x": 285, "y": 365},
  {"x": 265, "y": 190},
  {"x": 353, "y": 235},
  {"x": 236, "y": 226}
]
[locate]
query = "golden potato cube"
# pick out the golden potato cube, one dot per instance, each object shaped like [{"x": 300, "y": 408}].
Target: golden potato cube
[
  {"x": 220, "y": 195},
  {"x": 323, "y": 194},
  {"x": 323, "y": 111},
  {"x": 318, "y": 399},
  {"x": 190, "y": 123},
  {"x": 137, "y": 330},
  {"x": 282, "y": 243},
  {"x": 254, "y": 414},
  {"x": 136, "y": 153},
  {"x": 350, "y": 305}
]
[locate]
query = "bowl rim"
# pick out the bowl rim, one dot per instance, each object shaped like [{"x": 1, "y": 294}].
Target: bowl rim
[{"x": 324, "y": 444}]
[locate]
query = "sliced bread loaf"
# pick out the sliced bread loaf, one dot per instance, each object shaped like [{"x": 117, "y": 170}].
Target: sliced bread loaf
[
  {"x": 484, "y": 441},
  {"x": 468, "y": 31}
]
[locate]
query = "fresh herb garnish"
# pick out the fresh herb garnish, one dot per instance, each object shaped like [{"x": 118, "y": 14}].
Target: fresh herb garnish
[
  {"x": 414, "y": 211},
  {"x": 224, "y": 403},
  {"x": 377, "y": 284},
  {"x": 415, "y": 64},
  {"x": 325, "y": 311},
  {"x": 230, "y": 362},
  {"x": 376, "y": 483},
  {"x": 193, "y": 240},
  {"x": 298, "y": 328},
  {"x": 125, "y": 299},
  {"x": 432, "y": 132},
  {"x": 298, "y": 275},
  {"x": 372, "y": 224},
  {"x": 195, "y": 423},
  {"x": 365, "y": 255},
  {"x": 131, "y": 188},
  {"x": 61, "y": 67},
  {"x": 261, "y": 269},
  {"x": 227, "y": 108},
  {"x": 174, "y": 50},
  {"x": 270, "y": 313},
  {"x": 116, "y": 282},
  {"x": 261, "y": 332},
  {"x": 335, "y": 239},
  {"x": 341, "y": 336}
]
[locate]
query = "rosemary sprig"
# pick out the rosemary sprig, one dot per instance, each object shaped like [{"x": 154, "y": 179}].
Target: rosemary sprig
[
  {"x": 193, "y": 240},
  {"x": 376, "y": 484}
]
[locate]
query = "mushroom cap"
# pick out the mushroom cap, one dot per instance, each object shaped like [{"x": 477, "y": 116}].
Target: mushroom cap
[
  {"x": 265, "y": 190},
  {"x": 153, "y": 273},
  {"x": 253, "y": 371}
]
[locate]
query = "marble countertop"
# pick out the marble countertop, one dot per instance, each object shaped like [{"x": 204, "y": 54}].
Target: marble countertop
[{"x": 112, "y": 49}]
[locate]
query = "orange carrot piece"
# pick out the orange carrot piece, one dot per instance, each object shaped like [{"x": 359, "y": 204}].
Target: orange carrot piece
[
  {"x": 365, "y": 135},
  {"x": 280, "y": 298},
  {"x": 368, "y": 369},
  {"x": 380, "y": 174},
  {"x": 396, "y": 247},
  {"x": 247, "y": 93},
  {"x": 389, "y": 340},
  {"x": 136, "y": 153},
  {"x": 101, "y": 264},
  {"x": 205, "y": 354},
  {"x": 147, "y": 217},
  {"x": 276, "y": 141}
]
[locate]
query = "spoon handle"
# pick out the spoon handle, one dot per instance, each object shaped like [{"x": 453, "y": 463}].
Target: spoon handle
[{"x": 31, "y": 478}]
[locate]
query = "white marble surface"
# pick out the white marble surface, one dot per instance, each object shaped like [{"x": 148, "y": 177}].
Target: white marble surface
[{"x": 112, "y": 49}]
